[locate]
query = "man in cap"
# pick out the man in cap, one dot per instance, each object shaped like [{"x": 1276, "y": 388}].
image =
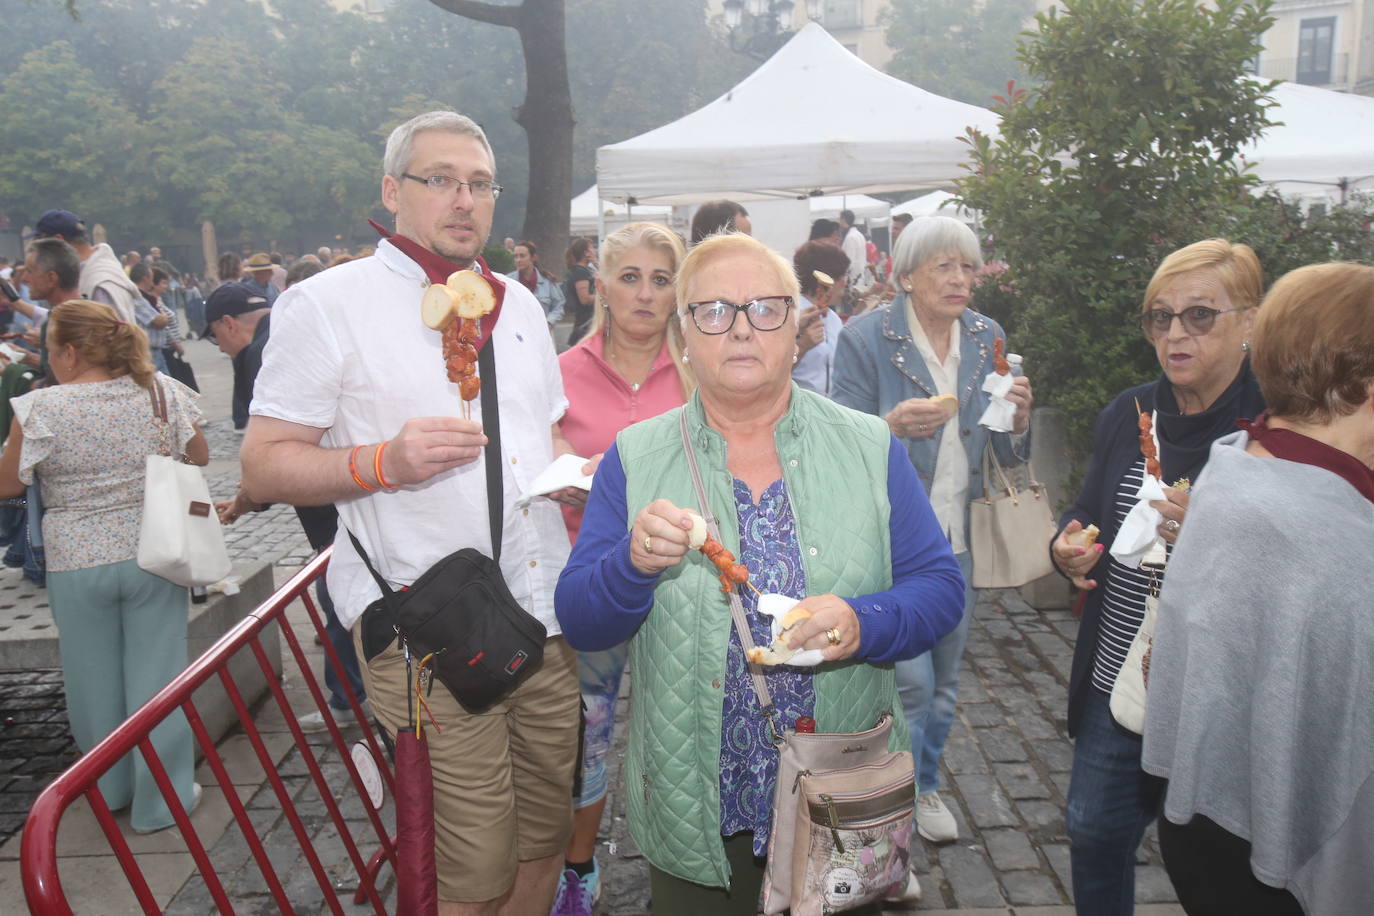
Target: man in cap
[
  {"x": 102, "y": 276},
  {"x": 361, "y": 413},
  {"x": 237, "y": 320},
  {"x": 258, "y": 269}
]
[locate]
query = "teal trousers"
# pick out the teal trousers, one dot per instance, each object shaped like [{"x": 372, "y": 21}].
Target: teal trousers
[{"x": 122, "y": 635}]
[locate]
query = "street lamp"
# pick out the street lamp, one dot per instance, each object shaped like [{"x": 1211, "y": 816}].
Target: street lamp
[{"x": 764, "y": 33}]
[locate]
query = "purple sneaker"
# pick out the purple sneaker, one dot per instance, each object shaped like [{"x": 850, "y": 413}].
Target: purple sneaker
[{"x": 577, "y": 896}]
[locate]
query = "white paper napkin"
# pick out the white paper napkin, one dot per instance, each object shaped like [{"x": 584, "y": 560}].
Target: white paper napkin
[
  {"x": 1139, "y": 533},
  {"x": 776, "y": 607},
  {"x": 1000, "y": 414},
  {"x": 566, "y": 471}
]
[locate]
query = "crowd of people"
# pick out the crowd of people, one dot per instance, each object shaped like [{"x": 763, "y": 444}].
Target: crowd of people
[{"x": 827, "y": 414}]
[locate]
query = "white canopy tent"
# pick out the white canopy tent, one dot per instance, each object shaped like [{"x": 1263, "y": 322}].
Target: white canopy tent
[
  {"x": 1325, "y": 144},
  {"x": 936, "y": 203},
  {"x": 589, "y": 209},
  {"x": 864, "y": 208},
  {"x": 812, "y": 119}
]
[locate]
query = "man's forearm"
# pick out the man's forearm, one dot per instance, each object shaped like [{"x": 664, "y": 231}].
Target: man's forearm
[{"x": 301, "y": 473}]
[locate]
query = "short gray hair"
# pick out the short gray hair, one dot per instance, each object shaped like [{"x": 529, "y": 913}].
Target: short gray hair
[
  {"x": 931, "y": 236},
  {"x": 401, "y": 144}
]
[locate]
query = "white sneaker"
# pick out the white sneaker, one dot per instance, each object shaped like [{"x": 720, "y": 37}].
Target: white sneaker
[
  {"x": 312, "y": 722},
  {"x": 933, "y": 820}
]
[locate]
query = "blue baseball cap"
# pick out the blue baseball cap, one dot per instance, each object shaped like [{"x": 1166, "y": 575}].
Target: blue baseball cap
[{"x": 58, "y": 223}]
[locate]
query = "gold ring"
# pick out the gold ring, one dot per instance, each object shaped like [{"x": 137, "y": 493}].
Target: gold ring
[
  {"x": 648, "y": 543},
  {"x": 833, "y": 634}
]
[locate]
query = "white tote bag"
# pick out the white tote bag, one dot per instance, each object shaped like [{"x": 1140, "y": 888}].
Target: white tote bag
[
  {"x": 1133, "y": 680},
  {"x": 181, "y": 539}
]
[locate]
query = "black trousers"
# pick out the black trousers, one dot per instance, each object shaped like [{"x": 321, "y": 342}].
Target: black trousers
[{"x": 1210, "y": 869}]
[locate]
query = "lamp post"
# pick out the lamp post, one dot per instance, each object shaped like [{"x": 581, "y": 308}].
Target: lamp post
[{"x": 763, "y": 33}]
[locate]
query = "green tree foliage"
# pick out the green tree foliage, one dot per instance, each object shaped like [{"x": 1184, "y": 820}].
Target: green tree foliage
[
  {"x": 1127, "y": 150},
  {"x": 954, "y": 48}
]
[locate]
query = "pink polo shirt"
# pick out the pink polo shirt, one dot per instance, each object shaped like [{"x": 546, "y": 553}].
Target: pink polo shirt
[{"x": 601, "y": 403}]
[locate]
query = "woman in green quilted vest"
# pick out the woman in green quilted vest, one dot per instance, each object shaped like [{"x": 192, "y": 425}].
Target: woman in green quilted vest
[{"x": 819, "y": 503}]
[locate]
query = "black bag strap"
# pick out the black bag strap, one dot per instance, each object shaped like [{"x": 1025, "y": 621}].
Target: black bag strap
[{"x": 491, "y": 425}]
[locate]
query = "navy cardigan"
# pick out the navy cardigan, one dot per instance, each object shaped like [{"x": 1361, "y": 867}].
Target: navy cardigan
[{"x": 1116, "y": 446}]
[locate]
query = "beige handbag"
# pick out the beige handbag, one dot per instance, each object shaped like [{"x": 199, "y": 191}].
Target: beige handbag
[
  {"x": 1133, "y": 680},
  {"x": 1010, "y": 527}
]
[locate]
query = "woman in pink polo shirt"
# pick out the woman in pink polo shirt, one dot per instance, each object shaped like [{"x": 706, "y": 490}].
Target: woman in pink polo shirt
[{"x": 628, "y": 368}]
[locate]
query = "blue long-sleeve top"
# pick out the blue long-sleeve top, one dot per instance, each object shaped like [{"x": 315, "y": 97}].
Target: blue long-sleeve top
[{"x": 601, "y": 598}]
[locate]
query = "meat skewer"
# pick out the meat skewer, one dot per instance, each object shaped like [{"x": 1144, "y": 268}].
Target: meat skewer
[
  {"x": 1147, "y": 445},
  {"x": 454, "y": 308},
  {"x": 999, "y": 358}
]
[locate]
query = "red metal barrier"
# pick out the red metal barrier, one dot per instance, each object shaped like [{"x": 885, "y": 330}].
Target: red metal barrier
[{"x": 39, "y": 856}]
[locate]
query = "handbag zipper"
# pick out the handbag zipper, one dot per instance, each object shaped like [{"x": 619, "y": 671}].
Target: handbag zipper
[
  {"x": 834, "y": 818},
  {"x": 863, "y": 808}
]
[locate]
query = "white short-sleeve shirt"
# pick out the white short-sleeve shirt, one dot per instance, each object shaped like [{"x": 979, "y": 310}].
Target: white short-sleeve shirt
[{"x": 349, "y": 354}]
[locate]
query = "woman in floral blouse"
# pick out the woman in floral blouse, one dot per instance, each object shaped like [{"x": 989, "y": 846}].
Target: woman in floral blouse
[{"x": 122, "y": 630}]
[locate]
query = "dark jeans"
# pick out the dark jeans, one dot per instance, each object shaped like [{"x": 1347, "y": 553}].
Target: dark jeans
[
  {"x": 1210, "y": 869},
  {"x": 1111, "y": 803},
  {"x": 342, "y": 640}
]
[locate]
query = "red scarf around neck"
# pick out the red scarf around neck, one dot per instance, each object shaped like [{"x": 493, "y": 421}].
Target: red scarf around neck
[
  {"x": 437, "y": 268},
  {"x": 1293, "y": 446}
]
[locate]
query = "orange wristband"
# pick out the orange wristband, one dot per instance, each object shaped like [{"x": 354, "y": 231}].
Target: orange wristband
[
  {"x": 353, "y": 468},
  {"x": 377, "y": 467}
]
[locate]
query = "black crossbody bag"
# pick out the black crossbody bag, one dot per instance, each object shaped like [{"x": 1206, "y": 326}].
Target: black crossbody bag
[{"x": 460, "y": 609}]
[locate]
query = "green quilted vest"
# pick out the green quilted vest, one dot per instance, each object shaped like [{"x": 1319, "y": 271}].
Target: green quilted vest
[{"x": 834, "y": 461}]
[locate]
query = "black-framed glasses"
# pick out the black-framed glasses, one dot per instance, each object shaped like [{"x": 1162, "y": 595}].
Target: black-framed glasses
[
  {"x": 481, "y": 189},
  {"x": 767, "y": 313},
  {"x": 1196, "y": 320}
]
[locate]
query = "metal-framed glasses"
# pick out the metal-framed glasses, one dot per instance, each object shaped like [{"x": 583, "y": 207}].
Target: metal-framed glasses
[
  {"x": 1196, "y": 320},
  {"x": 481, "y": 189},
  {"x": 767, "y": 313}
]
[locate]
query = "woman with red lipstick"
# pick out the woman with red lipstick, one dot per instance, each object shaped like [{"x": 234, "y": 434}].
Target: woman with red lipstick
[
  {"x": 1197, "y": 312},
  {"x": 894, "y": 362},
  {"x": 628, "y": 368}
]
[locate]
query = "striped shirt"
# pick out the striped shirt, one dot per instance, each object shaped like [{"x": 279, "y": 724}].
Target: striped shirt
[{"x": 1123, "y": 604}]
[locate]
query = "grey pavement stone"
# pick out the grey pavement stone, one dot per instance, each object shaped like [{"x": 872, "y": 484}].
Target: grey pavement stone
[
  {"x": 962, "y": 755},
  {"x": 1044, "y": 819},
  {"x": 1152, "y": 885},
  {"x": 1030, "y": 889},
  {"x": 1056, "y": 755},
  {"x": 988, "y": 805},
  {"x": 970, "y": 877},
  {"x": 1003, "y": 745},
  {"x": 981, "y": 715},
  {"x": 1010, "y": 850},
  {"x": 1021, "y": 780},
  {"x": 1058, "y": 857}
]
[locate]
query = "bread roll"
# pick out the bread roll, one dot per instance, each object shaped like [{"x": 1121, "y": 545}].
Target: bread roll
[{"x": 1085, "y": 538}]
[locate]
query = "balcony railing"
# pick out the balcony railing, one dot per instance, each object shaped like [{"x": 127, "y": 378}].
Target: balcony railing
[{"x": 1275, "y": 68}]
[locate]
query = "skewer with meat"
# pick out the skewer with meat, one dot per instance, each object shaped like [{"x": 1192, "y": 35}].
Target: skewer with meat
[
  {"x": 999, "y": 357},
  {"x": 1147, "y": 445},
  {"x": 454, "y": 308},
  {"x": 732, "y": 573}
]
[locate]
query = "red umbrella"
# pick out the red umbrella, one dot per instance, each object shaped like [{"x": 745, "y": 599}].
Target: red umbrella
[{"x": 417, "y": 892}]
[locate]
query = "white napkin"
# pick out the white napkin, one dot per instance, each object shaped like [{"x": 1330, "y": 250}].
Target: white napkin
[
  {"x": 776, "y": 607},
  {"x": 13, "y": 354},
  {"x": 1000, "y": 414},
  {"x": 1139, "y": 533},
  {"x": 566, "y": 471}
]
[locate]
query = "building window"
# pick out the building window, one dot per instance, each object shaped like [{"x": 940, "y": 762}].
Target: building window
[
  {"x": 1314, "y": 50},
  {"x": 843, "y": 14}
]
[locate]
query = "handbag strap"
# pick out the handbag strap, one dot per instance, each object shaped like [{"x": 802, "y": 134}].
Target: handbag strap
[
  {"x": 158, "y": 397},
  {"x": 741, "y": 622},
  {"x": 491, "y": 426},
  {"x": 990, "y": 455}
]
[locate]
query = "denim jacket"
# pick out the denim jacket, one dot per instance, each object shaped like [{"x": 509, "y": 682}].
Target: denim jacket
[
  {"x": 549, "y": 294},
  {"x": 877, "y": 366}
]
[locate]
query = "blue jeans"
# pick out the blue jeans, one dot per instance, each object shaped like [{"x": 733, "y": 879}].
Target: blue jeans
[
  {"x": 342, "y": 640},
  {"x": 1111, "y": 803},
  {"x": 929, "y": 687}
]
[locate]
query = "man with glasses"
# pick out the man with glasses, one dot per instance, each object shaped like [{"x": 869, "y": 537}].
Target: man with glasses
[{"x": 354, "y": 407}]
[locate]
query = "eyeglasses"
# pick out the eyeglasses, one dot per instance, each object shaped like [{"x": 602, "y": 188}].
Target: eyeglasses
[
  {"x": 1196, "y": 320},
  {"x": 481, "y": 189},
  {"x": 766, "y": 313}
]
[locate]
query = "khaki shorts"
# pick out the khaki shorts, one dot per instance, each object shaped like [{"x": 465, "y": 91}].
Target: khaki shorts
[{"x": 502, "y": 778}]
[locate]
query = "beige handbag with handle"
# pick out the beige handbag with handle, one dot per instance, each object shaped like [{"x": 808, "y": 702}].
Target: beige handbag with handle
[{"x": 1010, "y": 527}]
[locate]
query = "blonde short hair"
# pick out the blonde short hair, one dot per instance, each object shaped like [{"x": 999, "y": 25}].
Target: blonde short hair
[
  {"x": 1235, "y": 265},
  {"x": 1314, "y": 342},
  {"x": 726, "y": 244}
]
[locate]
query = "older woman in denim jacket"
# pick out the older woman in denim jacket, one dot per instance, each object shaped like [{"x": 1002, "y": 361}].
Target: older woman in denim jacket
[{"x": 895, "y": 362}]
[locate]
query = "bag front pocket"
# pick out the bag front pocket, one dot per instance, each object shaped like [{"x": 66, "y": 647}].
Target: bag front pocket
[{"x": 860, "y": 824}]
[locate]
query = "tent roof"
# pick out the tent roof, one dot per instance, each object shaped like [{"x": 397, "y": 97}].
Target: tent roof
[
  {"x": 1326, "y": 137},
  {"x": 812, "y": 119}
]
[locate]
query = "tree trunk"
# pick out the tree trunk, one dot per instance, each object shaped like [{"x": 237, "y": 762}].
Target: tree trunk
[{"x": 546, "y": 114}]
